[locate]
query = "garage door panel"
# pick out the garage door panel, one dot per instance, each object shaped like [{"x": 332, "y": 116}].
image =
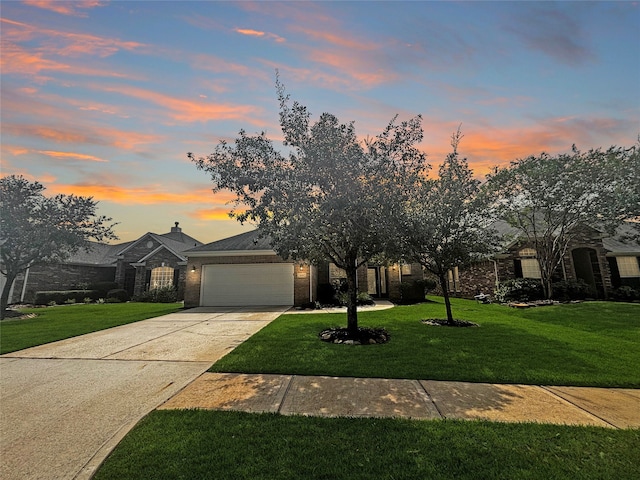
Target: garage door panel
[{"x": 247, "y": 284}]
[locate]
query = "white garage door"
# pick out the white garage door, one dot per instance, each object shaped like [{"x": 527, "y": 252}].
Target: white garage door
[{"x": 250, "y": 284}]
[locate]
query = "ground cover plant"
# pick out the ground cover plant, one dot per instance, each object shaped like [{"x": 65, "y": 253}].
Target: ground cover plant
[
  {"x": 198, "y": 444},
  {"x": 57, "y": 323},
  {"x": 586, "y": 344}
]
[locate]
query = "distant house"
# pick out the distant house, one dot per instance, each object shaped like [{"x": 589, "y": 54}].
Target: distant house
[
  {"x": 602, "y": 261},
  {"x": 245, "y": 270},
  {"x": 151, "y": 261}
]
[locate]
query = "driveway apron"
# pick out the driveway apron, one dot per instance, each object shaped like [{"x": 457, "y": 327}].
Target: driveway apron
[{"x": 65, "y": 405}]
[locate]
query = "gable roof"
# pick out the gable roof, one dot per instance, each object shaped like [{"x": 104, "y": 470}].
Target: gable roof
[
  {"x": 102, "y": 254},
  {"x": 620, "y": 243},
  {"x": 249, "y": 241}
]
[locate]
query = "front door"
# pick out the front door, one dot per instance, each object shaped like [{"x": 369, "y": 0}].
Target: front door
[{"x": 377, "y": 281}]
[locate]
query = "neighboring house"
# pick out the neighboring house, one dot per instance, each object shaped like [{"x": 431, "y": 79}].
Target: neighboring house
[
  {"x": 245, "y": 270},
  {"x": 151, "y": 261},
  {"x": 602, "y": 261}
]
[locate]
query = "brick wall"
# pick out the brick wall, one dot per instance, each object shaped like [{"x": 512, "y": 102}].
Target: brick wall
[{"x": 62, "y": 277}]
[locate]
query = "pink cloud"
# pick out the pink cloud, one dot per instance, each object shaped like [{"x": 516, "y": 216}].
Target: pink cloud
[
  {"x": 186, "y": 110},
  {"x": 258, "y": 33},
  {"x": 65, "y": 8}
]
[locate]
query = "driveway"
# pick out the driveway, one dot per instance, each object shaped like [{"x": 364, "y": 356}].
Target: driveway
[{"x": 65, "y": 405}]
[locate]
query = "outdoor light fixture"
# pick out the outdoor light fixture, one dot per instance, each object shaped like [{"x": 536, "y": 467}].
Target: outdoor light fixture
[{"x": 193, "y": 269}]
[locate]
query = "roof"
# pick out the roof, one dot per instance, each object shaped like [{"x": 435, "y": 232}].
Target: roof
[
  {"x": 621, "y": 243},
  {"x": 242, "y": 242},
  {"x": 175, "y": 241},
  {"x": 97, "y": 254}
]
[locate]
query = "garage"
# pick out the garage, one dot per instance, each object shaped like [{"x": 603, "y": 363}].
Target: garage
[{"x": 247, "y": 284}]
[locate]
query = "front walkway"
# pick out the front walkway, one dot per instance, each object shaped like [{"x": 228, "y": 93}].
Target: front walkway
[
  {"x": 419, "y": 399},
  {"x": 65, "y": 405}
]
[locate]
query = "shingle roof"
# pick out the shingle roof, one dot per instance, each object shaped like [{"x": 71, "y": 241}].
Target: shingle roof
[
  {"x": 245, "y": 241},
  {"x": 618, "y": 244},
  {"x": 97, "y": 254}
]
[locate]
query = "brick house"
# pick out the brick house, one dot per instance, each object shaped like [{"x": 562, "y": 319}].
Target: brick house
[
  {"x": 245, "y": 270},
  {"x": 602, "y": 261},
  {"x": 151, "y": 261}
]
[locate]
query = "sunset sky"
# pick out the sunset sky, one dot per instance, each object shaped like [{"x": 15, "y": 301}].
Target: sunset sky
[{"x": 105, "y": 99}]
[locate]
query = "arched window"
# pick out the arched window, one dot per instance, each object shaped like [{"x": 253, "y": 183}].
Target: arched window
[
  {"x": 161, "y": 277},
  {"x": 528, "y": 252}
]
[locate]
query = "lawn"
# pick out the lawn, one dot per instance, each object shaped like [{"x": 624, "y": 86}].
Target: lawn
[
  {"x": 586, "y": 344},
  {"x": 194, "y": 444},
  {"x": 57, "y": 323}
]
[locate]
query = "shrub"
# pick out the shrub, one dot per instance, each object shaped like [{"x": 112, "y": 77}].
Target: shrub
[
  {"x": 519, "y": 290},
  {"x": 112, "y": 300},
  {"x": 626, "y": 293},
  {"x": 118, "y": 293},
  {"x": 158, "y": 295},
  {"x": 87, "y": 300},
  {"x": 566, "y": 290},
  {"x": 364, "y": 299},
  {"x": 70, "y": 301},
  {"x": 60, "y": 297},
  {"x": 101, "y": 289},
  {"x": 413, "y": 292},
  {"x": 325, "y": 293}
]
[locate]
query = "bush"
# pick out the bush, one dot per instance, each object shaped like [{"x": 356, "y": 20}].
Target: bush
[
  {"x": 119, "y": 293},
  {"x": 626, "y": 293},
  {"x": 101, "y": 289},
  {"x": 112, "y": 300},
  {"x": 325, "y": 293},
  {"x": 364, "y": 299},
  {"x": 414, "y": 292},
  {"x": 60, "y": 297},
  {"x": 158, "y": 295},
  {"x": 566, "y": 290},
  {"x": 519, "y": 290}
]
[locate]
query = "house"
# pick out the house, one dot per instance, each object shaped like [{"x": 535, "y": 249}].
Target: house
[
  {"x": 151, "y": 261},
  {"x": 605, "y": 262},
  {"x": 245, "y": 270}
]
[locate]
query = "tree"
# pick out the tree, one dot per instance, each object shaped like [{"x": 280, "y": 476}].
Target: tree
[
  {"x": 448, "y": 226},
  {"x": 36, "y": 230},
  {"x": 332, "y": 198},
  {"x": 549, "y": 198}
]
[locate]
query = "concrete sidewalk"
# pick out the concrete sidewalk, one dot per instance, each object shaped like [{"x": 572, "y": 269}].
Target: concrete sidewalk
[
  {"x": 65, "y": 405},
  {"x": 419, "y": 399}
]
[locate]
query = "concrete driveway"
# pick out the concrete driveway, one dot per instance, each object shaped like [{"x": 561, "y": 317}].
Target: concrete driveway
[{"x": 65, "y": 405}]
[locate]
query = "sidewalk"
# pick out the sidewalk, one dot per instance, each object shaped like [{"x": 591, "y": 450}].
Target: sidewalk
[{"x": 418, "y": 399}]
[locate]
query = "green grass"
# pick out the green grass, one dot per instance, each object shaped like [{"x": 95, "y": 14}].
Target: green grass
[
  {"x": 588, "y": 344},
  {"x": 200, "y": 445},
  {"x": 57, "y": 323}
]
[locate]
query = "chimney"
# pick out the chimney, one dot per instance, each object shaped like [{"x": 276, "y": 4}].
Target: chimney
[{"x": 176, "y": 229}]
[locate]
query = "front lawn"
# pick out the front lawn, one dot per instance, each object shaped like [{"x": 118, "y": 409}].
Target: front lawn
[
  {"x": 57, "y": 323},
  {"x": 587, "y": 344},
  {"x": 196, "y": 444}
]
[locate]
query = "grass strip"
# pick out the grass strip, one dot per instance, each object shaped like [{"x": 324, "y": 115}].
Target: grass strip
[
  {"x": 65, "y": 321},
  {"x": 198, "y": 444},
  {"x": 587, "y": 344}
]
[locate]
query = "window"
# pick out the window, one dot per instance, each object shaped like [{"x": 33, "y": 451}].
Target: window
[
  {"x": 628, "y": 267},
  {"x": 453, "y": 280},
  {"x": 161, "y": 277},
  {"x": 530, "y": 268},
  {"x": 528, "y": 264},
  {"x": 405, "y": 269}
]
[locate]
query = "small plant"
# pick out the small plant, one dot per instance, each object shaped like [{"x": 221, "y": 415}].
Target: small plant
[
  {"x": 70, "y": 301},
  {"x": 101, "y": 301},
  {"x": 159, "y": 295},
  {"x": 87, "y": 300},
  {"x": 519, "y": 290},
  {"x": 52, "y": 303}
]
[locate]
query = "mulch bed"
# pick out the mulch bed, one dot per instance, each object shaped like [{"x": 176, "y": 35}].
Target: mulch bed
[
  {"x": 443, "y": 322},
  {"x": 365, "y": 336}
]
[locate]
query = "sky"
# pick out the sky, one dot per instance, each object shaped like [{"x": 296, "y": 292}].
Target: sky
[{"x": 106, "y": 98}]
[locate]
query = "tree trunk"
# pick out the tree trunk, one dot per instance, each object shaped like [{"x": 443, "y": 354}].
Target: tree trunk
[
  {"x": 352, "y": 300},
  {"x": 4, "y": 298},
  {"x": 445, "y": 293}
]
